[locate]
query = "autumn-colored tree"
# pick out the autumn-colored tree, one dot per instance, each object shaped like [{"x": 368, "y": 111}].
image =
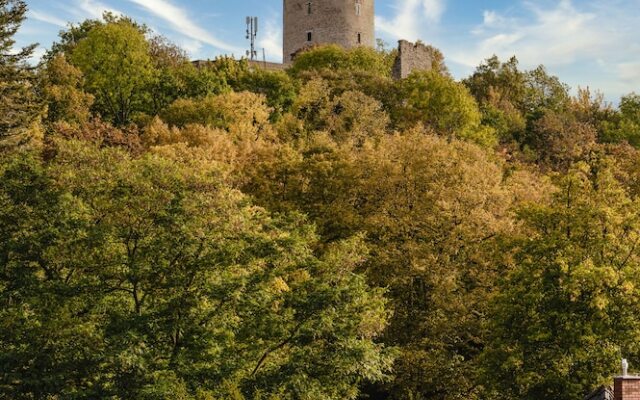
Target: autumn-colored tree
[
  {"x": 560, "y": 141},
  {"x": 342, "y": 71},
  {"x": 277, "y": 86},
  {"x": 433, "y": 211},
  {"x": 566, "y": 312},
  {"x": 117, "y": 67},
  {"x": 625, "y": 126},
  {"x": 354, "y": 117},
  {"x": 61, "y": 85},
  {"x": 436, "y": 101},
  {"x": 142, "y": 278},
  {"x": 333, "y": 57},
  {"x": 98, "y": 132},
  {"x": 592, "y": 108},
  {"x": 348, "y": 116},
  {"x": 241, "y": 114}
]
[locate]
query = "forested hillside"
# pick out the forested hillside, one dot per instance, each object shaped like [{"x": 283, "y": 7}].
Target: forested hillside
[{"x": 170, "y": 231}]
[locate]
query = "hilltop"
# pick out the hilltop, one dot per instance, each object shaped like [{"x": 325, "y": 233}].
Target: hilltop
[{"x": 328, "y": 231}]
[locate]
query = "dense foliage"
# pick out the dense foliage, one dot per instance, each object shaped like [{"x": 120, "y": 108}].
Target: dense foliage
[
  {"x": 221, "y": 231},
  {"x": 19, "y": 107}
]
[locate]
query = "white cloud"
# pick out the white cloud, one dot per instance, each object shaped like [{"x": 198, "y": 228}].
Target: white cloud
[
  {"x": 94, "y": 9},
  {"x": 182, "y": 23},
  {"x": 411, "y": 17},
  {"x": 559, "y": 35},
  {"x": 492, "y": 19},
  {"x": 271, "y": 39},
  {"x": 190, "y": 45},
  {"x": 584, "y": 42},
  {"x": 433, "y": 9},
  {"x": 47, "y": 18},
  {"x": 554, "y": 36},
  {"x": 630, "y": 72}
]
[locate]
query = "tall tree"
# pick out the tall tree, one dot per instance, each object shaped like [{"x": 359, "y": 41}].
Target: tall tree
[
  {"x": 433, "y": 211},
  {"x": 150, "y": 278},
  {"x": 567, "y": 311},
  {"x": 18, "y": 103},
  {"x": 625, "y": 126},
  {"x": 61, "y": 88},
  {"x": 116, "y": 62},
  {"x": 496, "y": 77},
  {"x": 440, "y": 103}
]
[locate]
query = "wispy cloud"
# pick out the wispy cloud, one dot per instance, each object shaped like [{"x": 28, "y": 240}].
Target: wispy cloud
[
  {"x": 630, "y": 72},
  {"x": 585, "y": 42},
  {"x": 556, "y": 36},
  {"x": 180, "y": 21},
  {"x": 190, "y": 45},
  {"x": 46, "y": 18},
  {"x": 93, "y": 9},
  {"x": 410, "y": 18},
  {"x": 433, "y": 9},
  {"x": 271, "y": 39}
]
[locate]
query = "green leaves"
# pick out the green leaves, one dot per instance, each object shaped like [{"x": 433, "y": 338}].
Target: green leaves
[
  {"x": 332, "y": 57},
  {"x": 324, "y": 232},
  {"x": 569, "y": 299},
  {"x": 19, "y": 106},
  {"x": 626, "y": 127},
  {"x": 443, "y": 105},
  {"x": 144, "y": 277},
  {"x": 116, "y": 63}
]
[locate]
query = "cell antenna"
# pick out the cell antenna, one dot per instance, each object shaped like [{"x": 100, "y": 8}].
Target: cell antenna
[{"x": 252, "y": 33}]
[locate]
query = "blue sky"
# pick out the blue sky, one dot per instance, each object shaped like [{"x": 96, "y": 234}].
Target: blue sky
[{"x": 591, "y": 43}]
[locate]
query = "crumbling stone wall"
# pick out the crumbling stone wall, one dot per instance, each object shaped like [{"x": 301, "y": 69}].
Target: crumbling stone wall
[{"x": 412, "y": 57}]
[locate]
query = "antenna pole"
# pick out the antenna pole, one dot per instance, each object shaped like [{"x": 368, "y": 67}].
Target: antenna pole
[{"x": 252, "y": 33}]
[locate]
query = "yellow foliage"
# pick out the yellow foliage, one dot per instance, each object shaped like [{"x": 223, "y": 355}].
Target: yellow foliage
[{"x": 243, "y": 115}]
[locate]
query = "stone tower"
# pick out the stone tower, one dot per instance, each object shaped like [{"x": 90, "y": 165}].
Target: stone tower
[{"x": 348, "y": 23}]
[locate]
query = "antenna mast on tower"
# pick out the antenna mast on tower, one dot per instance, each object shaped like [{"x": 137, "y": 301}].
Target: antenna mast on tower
[{"x": 252, "y": 32}]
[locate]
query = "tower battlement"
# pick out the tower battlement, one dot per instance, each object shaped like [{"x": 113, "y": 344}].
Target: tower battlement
[
  {"x": 412, "y": 57},
  {"x": 348, "y": 23}
]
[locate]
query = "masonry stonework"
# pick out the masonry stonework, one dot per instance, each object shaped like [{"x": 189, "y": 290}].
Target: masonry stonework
[
  {"x": 348, "y": 23},
  {"x": 412, "y": 57},
  {"x": 626, "y": 388}
]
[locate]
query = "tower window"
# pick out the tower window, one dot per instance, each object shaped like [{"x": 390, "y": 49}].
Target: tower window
[
  {"x": 309, "y": 9},
  {"x": 358, "y": 6},
  {"x": 309, "y": 36},
  {"x": 359, "y": 38}
]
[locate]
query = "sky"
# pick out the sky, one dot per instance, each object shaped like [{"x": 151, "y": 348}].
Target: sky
[{"x": 587, "y": 43}]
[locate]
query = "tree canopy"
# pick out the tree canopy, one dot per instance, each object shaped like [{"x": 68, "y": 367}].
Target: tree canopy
[
  {"x": 19, "y": 107},
  {"x": 218, "y": 230},
  {"x": 116, "y": 64}
]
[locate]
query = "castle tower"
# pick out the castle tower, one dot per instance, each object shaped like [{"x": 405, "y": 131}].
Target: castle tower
[{"x": 348, "y": 23}]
